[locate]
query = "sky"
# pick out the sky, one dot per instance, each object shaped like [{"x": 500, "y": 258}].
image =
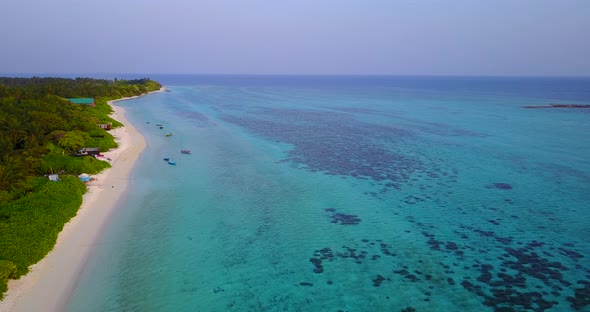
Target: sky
[{"x": 299, "y": 37}]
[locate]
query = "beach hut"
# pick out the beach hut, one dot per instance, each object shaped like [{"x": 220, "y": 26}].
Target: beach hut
[
  {"x": 107, "y": 126},
  {"x": 53, "y": 177},
  {"x": 82, "y": 101},
  {"x": 89, "y": 151}
]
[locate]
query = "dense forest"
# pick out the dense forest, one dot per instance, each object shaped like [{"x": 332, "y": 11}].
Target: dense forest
[{"x": 40, "y": 131}]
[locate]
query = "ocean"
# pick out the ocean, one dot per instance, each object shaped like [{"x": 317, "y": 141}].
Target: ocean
[{"x": 351, "y": 194}]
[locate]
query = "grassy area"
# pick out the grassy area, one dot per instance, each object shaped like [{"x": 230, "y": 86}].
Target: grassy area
[
  {"x": 102, "y": 111},
  {"x": 30, "y": 225},
  {"x": 73, "y": 165}
]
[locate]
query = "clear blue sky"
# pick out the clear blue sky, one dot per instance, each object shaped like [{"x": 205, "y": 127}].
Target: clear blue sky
[{"x": 406, "y": 37}]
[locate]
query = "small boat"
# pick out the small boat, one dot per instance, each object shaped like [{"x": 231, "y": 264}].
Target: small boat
[
  {"x": 185, "y": 151},
  {"x": 161, "y": 127},
  {"x": 168, "y": 134},
  {"x": 166, "y": 158},
  {"x": 84, "y": 177},
  {"x": 158, "y": 125},
  {"x": 172, "y": 162}
]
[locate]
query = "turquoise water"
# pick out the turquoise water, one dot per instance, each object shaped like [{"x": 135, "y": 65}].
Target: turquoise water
[{"x": 352, "y": 194}]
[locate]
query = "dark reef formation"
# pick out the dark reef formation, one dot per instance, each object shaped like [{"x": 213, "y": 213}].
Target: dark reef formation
[
  {"x": 523, "y": 278},
  {"x": 378, "y": 280},
  {"x": 505, "y": 270},
  {"x": 334, "y": 143},
  {"x": 500, "y": 186},
  {"x": 344, "y": 219}
]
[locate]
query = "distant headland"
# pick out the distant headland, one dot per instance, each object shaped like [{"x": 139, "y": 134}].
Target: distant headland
[{"x": 559, "y": 106}]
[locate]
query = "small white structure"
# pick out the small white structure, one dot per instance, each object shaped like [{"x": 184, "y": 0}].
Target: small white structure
[
  {"x": 84, "y": 177},
  {"x": 53, "y": 177}
]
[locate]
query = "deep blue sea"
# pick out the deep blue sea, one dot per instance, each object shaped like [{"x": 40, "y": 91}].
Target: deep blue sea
[{"x": 352, "y": 194}]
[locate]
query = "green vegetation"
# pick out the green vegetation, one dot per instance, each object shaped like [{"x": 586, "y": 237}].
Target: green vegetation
[
  {"x": 102, "y": 111},
  {"x": 73, "y": 165},
  {"x": 7, "y": 270},
  {"x": 39, "y": 131},
  {"x": 29, "y": 226}
]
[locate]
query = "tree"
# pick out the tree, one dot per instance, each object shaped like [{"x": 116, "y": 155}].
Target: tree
[
  {"x": 11, "y": 173},
  {"x": 73, "y": 140},
  {"x": 44, "y": 122}
]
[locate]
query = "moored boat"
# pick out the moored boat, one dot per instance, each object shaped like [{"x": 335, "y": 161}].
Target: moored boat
[
  {"x": 185, "y": 151},
  {"x": 172, "y": 162},
  {"x": 166, "y": 158},
  {"x": 168, "y": 134}
]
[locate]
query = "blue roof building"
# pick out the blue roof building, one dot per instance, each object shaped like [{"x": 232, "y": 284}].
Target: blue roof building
[{"x": 82, "y": 101}]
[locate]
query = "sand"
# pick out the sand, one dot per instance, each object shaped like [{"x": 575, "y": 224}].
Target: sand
[{"x": 50, "y": 281}]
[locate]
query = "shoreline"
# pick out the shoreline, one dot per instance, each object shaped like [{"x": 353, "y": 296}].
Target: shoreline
[{"x": 50, "y": 282}]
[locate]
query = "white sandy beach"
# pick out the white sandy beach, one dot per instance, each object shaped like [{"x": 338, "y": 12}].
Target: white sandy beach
[{"x": 49, "y": 283}]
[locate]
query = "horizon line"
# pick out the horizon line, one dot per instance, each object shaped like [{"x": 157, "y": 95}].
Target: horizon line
[{"x": 146, "y": 75}]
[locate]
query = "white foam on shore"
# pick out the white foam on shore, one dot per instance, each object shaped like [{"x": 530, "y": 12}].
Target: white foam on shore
[{"x": 50, "y": 281}]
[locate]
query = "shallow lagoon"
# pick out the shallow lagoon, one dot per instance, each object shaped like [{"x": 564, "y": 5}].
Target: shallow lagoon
[{"x": 352, "y": 194}]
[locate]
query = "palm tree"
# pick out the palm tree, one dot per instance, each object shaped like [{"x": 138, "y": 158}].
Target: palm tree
[{"x": 11, "y": 173}]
